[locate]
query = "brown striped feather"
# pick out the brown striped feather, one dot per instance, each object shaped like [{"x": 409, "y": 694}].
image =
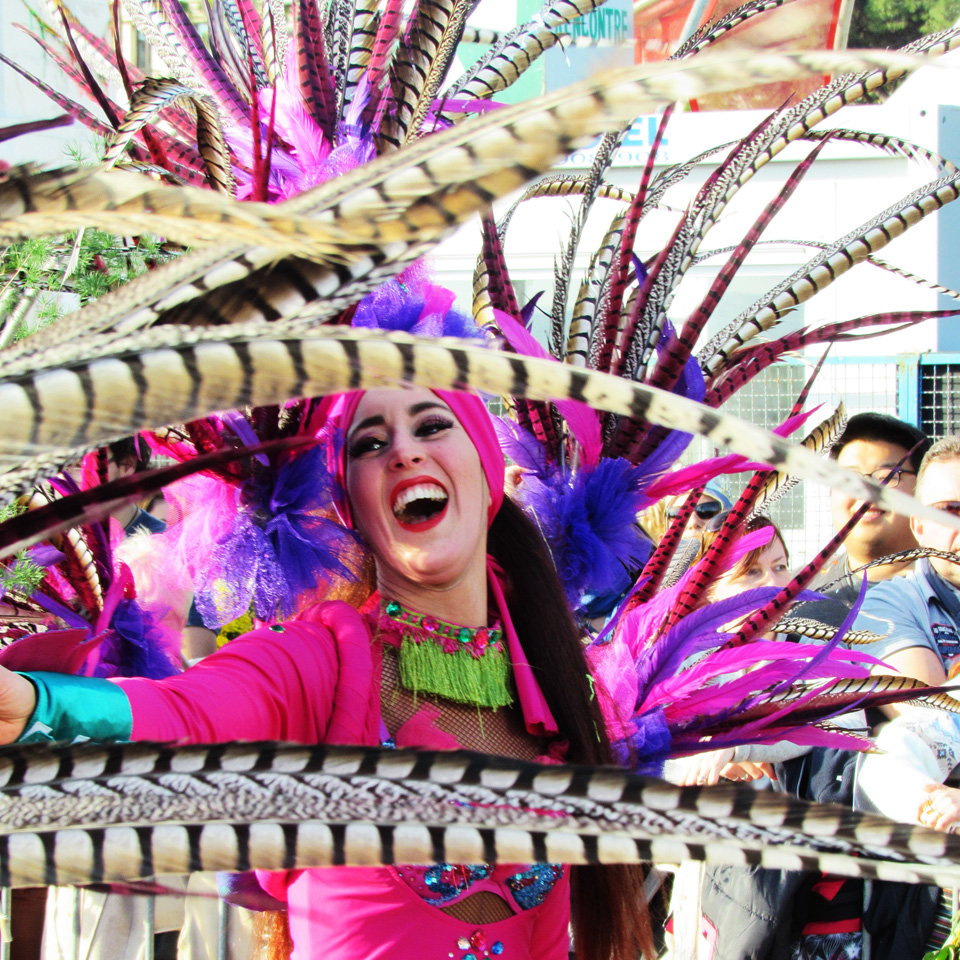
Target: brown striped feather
[
  {"x": 313, "y": 806},
  {"x": 826, "y": 266},
  {"x": 155, "y": 95},
  {"x": 495, "y": 154},
  {"x": 110, "y": 387}
]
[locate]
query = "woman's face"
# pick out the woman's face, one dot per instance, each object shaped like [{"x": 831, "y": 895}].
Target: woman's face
[
  {"x": 770, "y": 569},
  {"x": 416, "y": 488}
]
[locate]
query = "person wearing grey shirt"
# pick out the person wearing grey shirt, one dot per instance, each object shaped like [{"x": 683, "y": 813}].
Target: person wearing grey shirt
[{"x": 919, "y": 615}]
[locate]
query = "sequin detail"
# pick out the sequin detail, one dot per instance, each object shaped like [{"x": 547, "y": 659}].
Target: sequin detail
[
  {"x": 446, "y": 881},
  {"x": 476, "y": 943},
  {"x": 531, "y": 887},
  {"x": 451, "y": 637},
  {"x": 277, "y": 627}
]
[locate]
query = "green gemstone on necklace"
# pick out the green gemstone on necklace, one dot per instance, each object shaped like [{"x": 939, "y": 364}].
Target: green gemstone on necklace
[
  {"x": 464, "y": 634},
  {"x": 393, "y": 609}
]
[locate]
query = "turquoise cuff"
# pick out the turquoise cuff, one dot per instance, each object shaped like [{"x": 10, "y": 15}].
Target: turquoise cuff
[{"x": 77, "y": 708}]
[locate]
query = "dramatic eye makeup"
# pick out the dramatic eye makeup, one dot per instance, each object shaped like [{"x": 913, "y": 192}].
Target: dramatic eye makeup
[
  {"x": 367, "y": 443},
  {"x": 432, "y": 425},
  {"x": 439, "y": 419}
]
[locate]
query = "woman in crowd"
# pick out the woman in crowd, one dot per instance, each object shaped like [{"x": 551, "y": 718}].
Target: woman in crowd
[
  {"x": 765, "y": 913},
  {"x": 466, "y": 642},
  {"x": 764, "y": 566}
]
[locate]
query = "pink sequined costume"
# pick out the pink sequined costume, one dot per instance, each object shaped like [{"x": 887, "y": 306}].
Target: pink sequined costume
[{"x": 318, "y": 680}]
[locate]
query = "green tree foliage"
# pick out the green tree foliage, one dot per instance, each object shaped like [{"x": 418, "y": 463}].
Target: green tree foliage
[
  {"x": 892, "y": 23},
  {"x": 34, "y": 272},
  {"x": 19, "y": 576}
]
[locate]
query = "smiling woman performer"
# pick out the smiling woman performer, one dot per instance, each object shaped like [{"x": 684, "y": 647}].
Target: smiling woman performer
[{"x": 423, "y": 474}]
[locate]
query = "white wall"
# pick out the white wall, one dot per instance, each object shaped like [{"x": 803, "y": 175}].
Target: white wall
[
  {"x": 846, "y": 187},
  {"x": 20, "y": 101}
]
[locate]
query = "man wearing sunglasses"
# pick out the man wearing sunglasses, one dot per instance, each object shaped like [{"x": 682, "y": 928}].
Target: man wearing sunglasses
[
  {"x": 920, "y": 614},
  {"x": 713, "y": 501},
  {"x": 878, "y": 446}
]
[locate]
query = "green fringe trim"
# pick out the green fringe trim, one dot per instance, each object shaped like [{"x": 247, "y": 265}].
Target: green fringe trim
[{"x": 426, "y": 668}]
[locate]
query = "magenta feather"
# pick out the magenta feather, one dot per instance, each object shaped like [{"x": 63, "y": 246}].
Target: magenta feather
[{"x": 686, "y": 478}]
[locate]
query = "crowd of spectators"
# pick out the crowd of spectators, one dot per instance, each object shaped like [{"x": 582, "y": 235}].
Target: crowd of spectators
[{"x": 910, "y": 599}]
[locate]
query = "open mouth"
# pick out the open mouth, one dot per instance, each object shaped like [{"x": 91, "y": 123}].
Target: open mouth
[{"x": 420, "y": 503}]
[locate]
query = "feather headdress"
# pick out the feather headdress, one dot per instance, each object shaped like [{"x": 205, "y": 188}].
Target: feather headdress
[{"x": 232, "y": 324}]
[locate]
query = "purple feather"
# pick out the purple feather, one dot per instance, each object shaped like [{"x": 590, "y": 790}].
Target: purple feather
[
  {"x": 639, "y": 268},
  {"x": 45, "y": 555},
  {"x": 414, "y": 307},
  {"x": 526, "y": 312},
  {"x": 521, "y": 446},
  {"x": 588, "y": 519},
  {"x": 133, "y": 646},
  {"x": 279, "y": 546},
  {"x": 691, "y": 383},
  {"x": 237, "y": 422}
]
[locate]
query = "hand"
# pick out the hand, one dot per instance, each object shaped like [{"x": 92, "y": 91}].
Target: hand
[
  {"x": 747, "y": 770},
  {"x": 18, "y": 700},
  {"x": 513, "y": 479},
  {"x": 704, "y": 768},
  {"x": 941, "y": 809}
]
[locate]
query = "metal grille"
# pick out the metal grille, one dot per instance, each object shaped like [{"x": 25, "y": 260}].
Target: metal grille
[
  {"x": 940, "y": 399},
  {"x": 766, "y": 402},
  {"x": 868, "y": 384}
]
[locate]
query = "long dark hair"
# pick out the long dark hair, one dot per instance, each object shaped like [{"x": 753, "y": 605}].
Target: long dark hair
[{"x": 610, "y": 918}]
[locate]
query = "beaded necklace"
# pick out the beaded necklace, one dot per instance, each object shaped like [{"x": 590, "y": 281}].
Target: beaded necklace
[{"x": 463, "y": 664}]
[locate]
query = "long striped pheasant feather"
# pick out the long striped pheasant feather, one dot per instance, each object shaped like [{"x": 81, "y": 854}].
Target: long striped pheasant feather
[
  {"x": 89, "y": 814},
  {"x": 432, "y": 185},
  {"x": 102, "y": 391}
]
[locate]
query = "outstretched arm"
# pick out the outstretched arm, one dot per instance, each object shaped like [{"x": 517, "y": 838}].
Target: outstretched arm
[
  {"x": 266, "y": 685},
  {"x": 275, "y": 684}
]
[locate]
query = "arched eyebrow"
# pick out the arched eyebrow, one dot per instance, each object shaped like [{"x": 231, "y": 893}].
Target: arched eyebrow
[
  {"x": 426, "y": 405},
  {"x": 374, "y": 421},
  {"x": 377, "y": 419}
]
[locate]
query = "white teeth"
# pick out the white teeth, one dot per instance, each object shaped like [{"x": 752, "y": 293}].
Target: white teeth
[{"x": 422, "y": 491}]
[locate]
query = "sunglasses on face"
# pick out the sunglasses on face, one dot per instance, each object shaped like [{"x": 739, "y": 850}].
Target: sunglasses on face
[{"x": 705, "y": 511}]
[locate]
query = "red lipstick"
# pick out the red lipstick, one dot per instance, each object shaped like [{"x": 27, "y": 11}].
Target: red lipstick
[{"x": 413, "y": 482}]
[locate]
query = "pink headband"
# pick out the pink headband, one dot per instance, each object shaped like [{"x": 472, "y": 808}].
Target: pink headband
[{"x": 338, "y": 409}]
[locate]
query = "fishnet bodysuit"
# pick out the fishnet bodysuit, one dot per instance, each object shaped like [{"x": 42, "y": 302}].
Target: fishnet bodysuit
[{"x": 500, "y": 732}]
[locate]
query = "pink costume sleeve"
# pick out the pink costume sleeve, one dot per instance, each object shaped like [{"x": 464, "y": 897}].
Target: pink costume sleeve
[{"x": 305, "y": 683}]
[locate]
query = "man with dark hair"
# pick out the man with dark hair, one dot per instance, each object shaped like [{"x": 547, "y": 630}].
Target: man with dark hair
[
  {"x": 879, "y": 446},
  {"x": 919, "y": 615}
]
